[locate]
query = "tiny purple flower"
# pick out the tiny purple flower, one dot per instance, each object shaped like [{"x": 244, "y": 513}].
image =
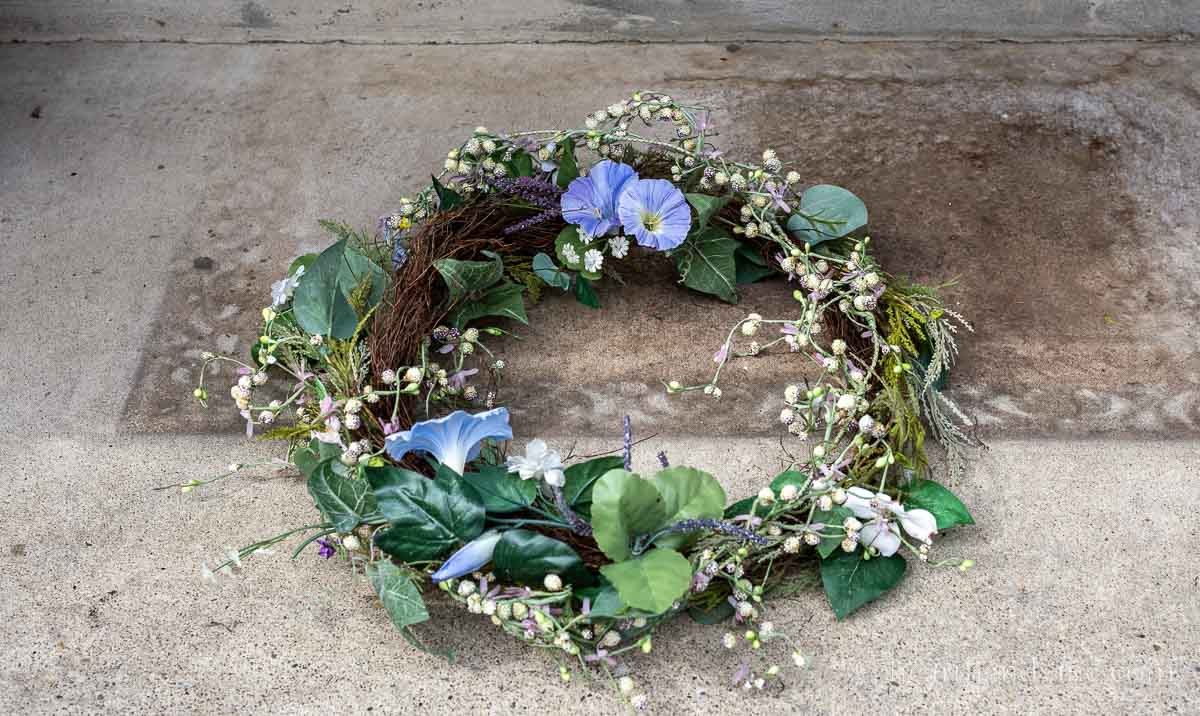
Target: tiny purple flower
[
  {"x": 655, "y": 212},
  {"x": 327, "y": 549}
]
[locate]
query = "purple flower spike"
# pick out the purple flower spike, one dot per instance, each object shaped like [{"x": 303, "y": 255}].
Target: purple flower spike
[
  {"x": 656, "y": 213},
  {"x": 590, "y": 202}
]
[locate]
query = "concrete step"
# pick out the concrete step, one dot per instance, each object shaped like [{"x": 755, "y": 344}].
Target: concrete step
[{"x": 543, "y": 21}]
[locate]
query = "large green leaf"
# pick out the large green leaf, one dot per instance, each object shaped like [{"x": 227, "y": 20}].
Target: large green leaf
[
  {"x": 568, "y": 169},
  {"x": 947, "y": 509},
  {"x": 607, "y": 603},
  {"x": 582, "y": 476},
  {"x": 833, "y": 517},
  {"x": 306, "y": 458},
  {"x": 706, "y": 207},
  {"x": 719, "y": 614},
  {"x": 687, "y": 494},
  {"x": 750, "y": 265},
  {"x": 705, "y": 263},
  {"x": 319, "y": 305},
  {"x": 504, "y": 300},
  {"x": 653, "y": 581},
  {"x": 343, "y": 501},
  {"x": 466, "y": 277},
  {"x": 827, "y": 212},
  {"x": 526, "y": 557},
  {"x": 624, "y": 506},
  {"x": 399, "y": 595},
  {"x": 501, "y": 491},
  {"x": 355, "y": 270},
  {"x": 428, "y": 518},
  {"x": 850, "y": 581}
]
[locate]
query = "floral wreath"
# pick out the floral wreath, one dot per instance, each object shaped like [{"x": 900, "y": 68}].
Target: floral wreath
[{"x": 373, "y": 365}]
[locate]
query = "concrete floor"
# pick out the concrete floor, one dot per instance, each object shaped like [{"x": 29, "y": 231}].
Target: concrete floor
[{"x": 1057, "y": 179}]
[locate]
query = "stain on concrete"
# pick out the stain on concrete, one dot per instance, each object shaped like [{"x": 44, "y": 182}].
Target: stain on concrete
[
  {"x": 255, "y": 16},
  {"x": 1050, "y": 197}
]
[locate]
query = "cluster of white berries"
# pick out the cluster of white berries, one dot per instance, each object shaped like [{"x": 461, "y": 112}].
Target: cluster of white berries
[{"x": 354, "y": 452}]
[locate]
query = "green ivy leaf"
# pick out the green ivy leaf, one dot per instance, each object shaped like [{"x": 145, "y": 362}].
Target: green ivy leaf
[
  {"x": 705, "y": 263},
  {"x": 526, "y": 557},
  {"x": 623, "y": 506},
  {"x": 466, "y": 277},
  {"x": 584, "y": 293},
  {"x": 548, "y": 271},
  {"x": 399, "y": 595},
  {"x": 568, "y": 169},
  {"x": 506, "y": 300},
  {"x": 832, "y": 212},
  {"x": 719, "y": 614},
  {"x": 706, "y": 207},
  {"x": 500, "y": 491},
  {"x": 851, "y": 582},
  {"x": 947, "y": 509},
  {"x": 833, "y": 517},
  {"x": 343, "y": 501},
  {"x": 750, "y": 265},
  {"x": 687, "y": 494},
  {"x": 428, "y": 518},
  {"x": 653, "y": 581},
  {"x": 582, "y": 476},
  {"x": 319, "y": 304},
  {"x": 447, "y": 198}
]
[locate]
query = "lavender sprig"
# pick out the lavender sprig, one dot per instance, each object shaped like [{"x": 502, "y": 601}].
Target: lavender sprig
[
  {"x": 534, "y": 220},
  {"x": 578, "y": 525},
  {"x": 538, "y": 192},
  {"x": 706, "y": 523}
]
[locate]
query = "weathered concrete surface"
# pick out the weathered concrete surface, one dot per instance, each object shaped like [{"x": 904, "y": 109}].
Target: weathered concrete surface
[
  {"x": 499, "y": 21},
  {"x": 1081, "y": 600},
  {"x": 1070, "y": 170},
  {"x": 1058, "y": 183}
]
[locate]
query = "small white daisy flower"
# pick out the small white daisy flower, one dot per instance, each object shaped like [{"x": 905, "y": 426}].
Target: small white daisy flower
[
  {"x": 592, "y": 260},
  {"x": 618, "y": 246}
]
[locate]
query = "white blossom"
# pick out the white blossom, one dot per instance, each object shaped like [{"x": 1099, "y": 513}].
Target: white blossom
[
  {"x": 539, "y": 461},
  {"x": 592, "y": 260}
]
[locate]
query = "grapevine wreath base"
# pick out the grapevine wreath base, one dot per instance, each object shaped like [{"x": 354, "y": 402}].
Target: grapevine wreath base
[{"x": 373, "y": 365}]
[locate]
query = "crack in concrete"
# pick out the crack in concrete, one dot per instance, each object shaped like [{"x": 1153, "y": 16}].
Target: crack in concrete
[{"x": 1155, "y": 39}]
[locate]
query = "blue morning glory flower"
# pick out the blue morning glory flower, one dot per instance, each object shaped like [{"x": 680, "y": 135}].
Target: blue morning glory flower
[
  {"x": 655, "y": 212},
  {"x": 454, "y": 439},
  {"x": 590, "y": 202},
  {"x": 471, "y": 557}
]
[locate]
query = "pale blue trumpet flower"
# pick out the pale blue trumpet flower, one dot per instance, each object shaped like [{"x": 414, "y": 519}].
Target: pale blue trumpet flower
[
  {"x": 453, "y": 440},
  {"x": 470, "y": 558}
]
